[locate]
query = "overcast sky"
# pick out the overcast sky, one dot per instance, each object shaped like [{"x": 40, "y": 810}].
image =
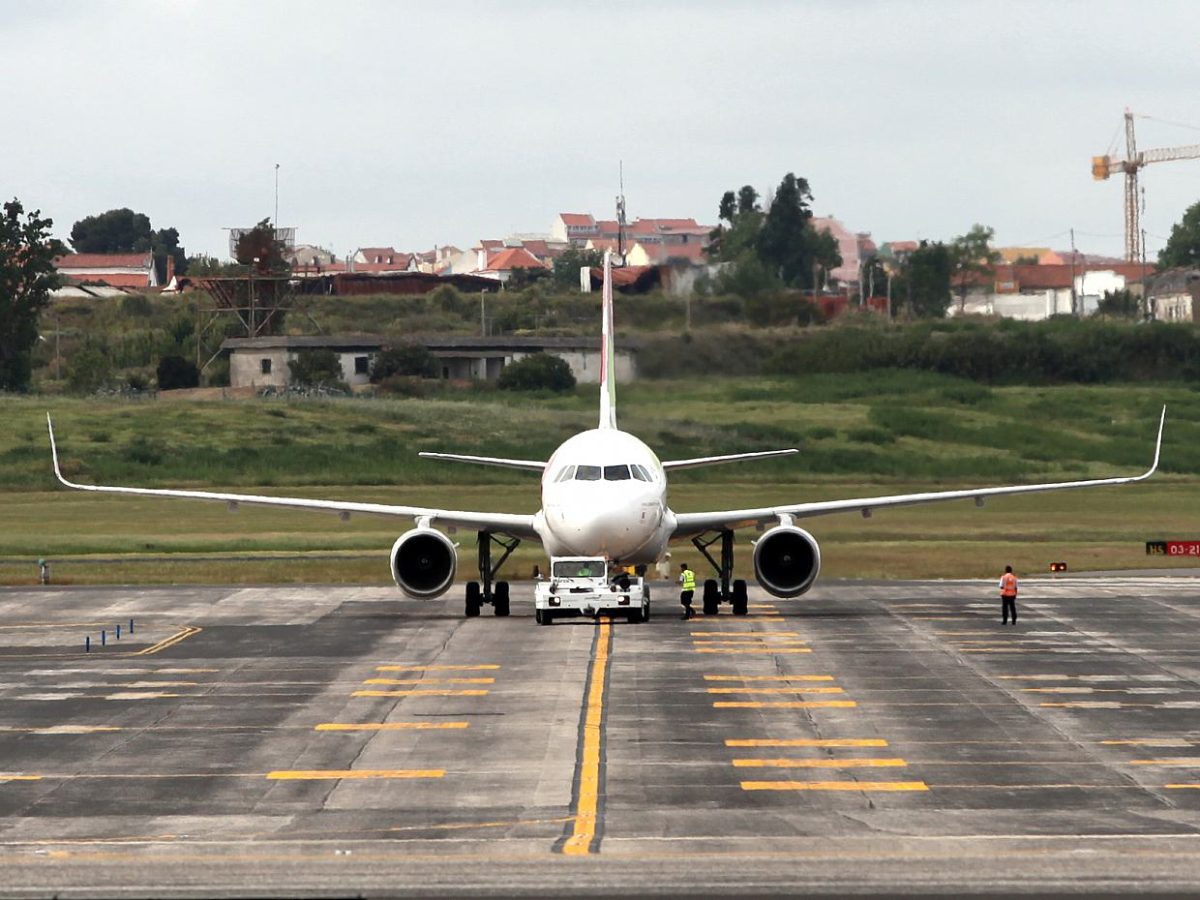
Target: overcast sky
[{"x": 414, "y": 124}]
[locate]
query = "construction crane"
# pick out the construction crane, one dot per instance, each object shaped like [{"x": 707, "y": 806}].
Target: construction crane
[{"x": 1103, "y": 166}]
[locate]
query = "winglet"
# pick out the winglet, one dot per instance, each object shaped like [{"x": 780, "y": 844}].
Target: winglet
[
  {"x": 54, "y": 452},
  {"x": 608, "y": 380}
]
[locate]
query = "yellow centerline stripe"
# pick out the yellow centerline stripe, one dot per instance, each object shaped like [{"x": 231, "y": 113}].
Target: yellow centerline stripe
[
  {"x": 1190, "y": 762},
  {"x": 388, "y": 726},
  {"x": 5, "y": 776},
  {"x": 183, "y": 634},
  {"x": 819, "y": 763},
  {"x": 421, "y": 694},
  {"x": 430, "y": 681},
  {"x": 806, "y": 742},
  {"x": 783, "y": 690},
  {"x": 768, "y": 678},
  {"x": 580, "y": 841},
  {"x": 834, "y": 786},
  {"x": 784, "y": 704},
  {"x": 480, "y": 668},
  {"x": 327, "y": 774}
]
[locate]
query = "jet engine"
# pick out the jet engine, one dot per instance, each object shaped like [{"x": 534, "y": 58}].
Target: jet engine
[
  {"x": 786, "y": 561},
  {"x": 423, "y": 563}
]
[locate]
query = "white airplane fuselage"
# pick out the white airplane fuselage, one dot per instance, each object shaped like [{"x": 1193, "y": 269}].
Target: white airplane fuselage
[{"x": 604, "y": 493}]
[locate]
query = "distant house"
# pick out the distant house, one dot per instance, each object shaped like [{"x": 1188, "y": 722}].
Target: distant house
[
  {"x": 1034, "y": 292},
  {"x": 117, "y": 270},
  {"x": 1174, "y": 295},
  {"x": 575, "y": 228},
  {"x": 263, "y": 362},
  {"x": 501, "y": 265},
  {"x": 382, "y": 259}
]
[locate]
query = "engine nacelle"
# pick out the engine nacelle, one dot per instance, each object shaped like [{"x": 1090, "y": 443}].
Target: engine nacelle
[
  {"x": 786, "y": 561},
  {"x": 423, "y": 563}
]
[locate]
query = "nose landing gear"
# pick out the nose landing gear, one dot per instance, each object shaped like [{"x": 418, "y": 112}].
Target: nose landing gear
[
  {"x": 487, "y": 590},
  {"x": 723, "y": 589}
]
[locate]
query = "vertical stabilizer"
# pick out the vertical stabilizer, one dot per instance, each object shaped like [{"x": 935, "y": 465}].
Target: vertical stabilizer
[{"x": 608, "y": 379}]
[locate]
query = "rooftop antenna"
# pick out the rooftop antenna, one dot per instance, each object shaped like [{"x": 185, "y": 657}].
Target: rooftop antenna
[{"x": 621, "y": 212}]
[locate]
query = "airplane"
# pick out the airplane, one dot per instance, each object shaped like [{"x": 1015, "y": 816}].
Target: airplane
[{"x": 604, "y": 493}]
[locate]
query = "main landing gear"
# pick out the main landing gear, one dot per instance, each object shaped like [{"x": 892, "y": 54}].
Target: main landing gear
[
  {"x": 487, "y": 590},
  {"x": 722, "y": 588}
]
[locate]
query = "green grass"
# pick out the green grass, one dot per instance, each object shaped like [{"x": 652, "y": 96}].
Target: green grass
[{"x": 859, "y": 435}]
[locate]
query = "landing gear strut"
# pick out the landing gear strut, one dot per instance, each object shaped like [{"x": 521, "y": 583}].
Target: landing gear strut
[
  {"x": 487, "y": 590},
  {"x": 725, "y": 589}
]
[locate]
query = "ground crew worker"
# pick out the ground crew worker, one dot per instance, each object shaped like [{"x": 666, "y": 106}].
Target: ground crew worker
[
  {"x": 1008, "y": 595},
  {"x": 687, "y": 585}
]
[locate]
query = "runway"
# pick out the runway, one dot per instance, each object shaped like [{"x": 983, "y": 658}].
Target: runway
[{"x": 341, "y": 741}]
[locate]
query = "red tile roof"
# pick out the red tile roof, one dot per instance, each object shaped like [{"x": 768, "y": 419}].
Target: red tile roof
[
  {"x": 583, "y": 219},
  {"x": 514, "y": 258},
  {"x": 103, "y": 261},
  {"x": 112, "y": 279}
]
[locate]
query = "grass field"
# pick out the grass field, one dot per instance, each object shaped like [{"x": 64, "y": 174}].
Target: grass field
[{"x": 859, "y": 436}]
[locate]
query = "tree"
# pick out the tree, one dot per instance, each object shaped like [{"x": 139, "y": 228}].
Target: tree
[
  {"x": 27, "y": 277},
  {"x": 1183, "y": 246},
  {"x": 260, "y": 248},
  {"x": 971, "y": 255},
  {"x": 310, "y": 368},
  {"x": 788, "y": 243},
  {"x": 413, "y": 360},
  {"x": 568, "y": 264},
  {"x": 924, "y": 281},
  {"x": 125, "y": 231},
  {"x": 177, "y": 372},
  {"x": 537, "y": 372},
  {"x": 1120, "y": 304}
]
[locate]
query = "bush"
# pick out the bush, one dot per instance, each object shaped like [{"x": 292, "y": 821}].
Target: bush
[
  {"x": 310, "y": 368},
  {"x": 412, "y": 360},
  {"x": 89, "y": 369},
  {"x": 175, "y": 372},
  {"x": 537, "y": 372}
]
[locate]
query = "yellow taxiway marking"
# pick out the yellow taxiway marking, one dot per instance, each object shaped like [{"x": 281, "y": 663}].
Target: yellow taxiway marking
[
  {"x": 1177, "y": 787},
  {"x": 768, "y": 678},
  {"x": 326, "y": 774},
  {"x": 430, "y": 681},
  {"x": 481, "y": 668},
  {"x": 752, "y": 650},
  {"x": 806, "y": 742},
  {"x": 834, "y": 786},
  {"x": 777, "y": 690},
  {"x": 421, "y": 694},
  {"x": 584, "y": 833},
  {"x": 784, "y": 704},
  {"x": 819, "y": 763},
  {"x": 182, "y": 634},
  {"x": 1191, "y": 762},
  {"x": 15, "y": 776},
  {"x": 389, "y": 726},
  {"x": 1155, "y": 742}
]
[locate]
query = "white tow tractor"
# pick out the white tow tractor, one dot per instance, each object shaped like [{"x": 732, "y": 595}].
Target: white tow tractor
[{"x": 583, "y": 586}]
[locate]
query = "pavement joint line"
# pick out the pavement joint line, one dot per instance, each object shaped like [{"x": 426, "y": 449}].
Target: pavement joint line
[
  {"x": 430, "y": 681},
  {"x": 415, "y": 693},
  {"x": 338, "y": 774},
  {"x": 588, "y": 789},
  {"x": 389, "y": 726},
  {"x": 397, "y": 668},
  {"x": 834, "y": 786},
  {"x": 784, "y": 704},
  {"x": 806, "y": 742},
  {"x": 768, "y": 678},
  {"x": 776, "y": 690},
  {"x": 820, "y": 763}
]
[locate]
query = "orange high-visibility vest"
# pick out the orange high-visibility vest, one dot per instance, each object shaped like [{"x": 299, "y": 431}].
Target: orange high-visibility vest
[{"x": 1008, "y": 585}]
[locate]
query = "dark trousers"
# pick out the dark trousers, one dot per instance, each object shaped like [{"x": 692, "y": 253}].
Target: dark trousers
[
  {"x": 685, "y": 597},
  {"x": 1008, "y": 605}
]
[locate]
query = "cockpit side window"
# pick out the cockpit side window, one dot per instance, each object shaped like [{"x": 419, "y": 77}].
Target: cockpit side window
[
  {"x": 587, "y": 473},
  {"x": 640, "y": 473},
  {"x": 616, "y": 473},
  {"x": 566, "y": 473}
]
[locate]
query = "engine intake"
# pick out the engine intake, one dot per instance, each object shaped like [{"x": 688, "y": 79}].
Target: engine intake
[
  {"x": 423, "y": 563},
  {"x": 786, "y": 561}
]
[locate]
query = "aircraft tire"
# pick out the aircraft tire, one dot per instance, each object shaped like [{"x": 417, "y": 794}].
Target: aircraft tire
[
  {"x": 473, "y": 599},
  {"x": 712, "y": 597},
  {"x": 741, "y": 603},
  {"x": 500, "y": 599}
]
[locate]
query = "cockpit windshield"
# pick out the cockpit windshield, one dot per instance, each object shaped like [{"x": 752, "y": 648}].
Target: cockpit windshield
[
  {"x": 616, "y": 473},
  {"x": 587, "y": 473},
  {"x": 623, "y": 472}
]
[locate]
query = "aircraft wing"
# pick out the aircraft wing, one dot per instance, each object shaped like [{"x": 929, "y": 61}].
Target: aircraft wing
[
  {"x": 530, "y": 464},
  {"x": 515, "y": 525},
  {"x": 688, "y": 524},
  {"x": 672, "y": 464}
]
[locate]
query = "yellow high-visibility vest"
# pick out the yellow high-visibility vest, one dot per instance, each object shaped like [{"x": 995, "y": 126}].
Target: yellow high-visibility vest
[{"x": 688, "y": 580}]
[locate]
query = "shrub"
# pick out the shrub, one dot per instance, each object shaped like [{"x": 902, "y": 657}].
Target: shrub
[
  {"x": 408, "y": 359},
  {"x": 313, "y": 367},
  {"x": 537, "y": 372},
  {"x": 176, "y": 372},
  {"x": 89, "y": 369}
]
